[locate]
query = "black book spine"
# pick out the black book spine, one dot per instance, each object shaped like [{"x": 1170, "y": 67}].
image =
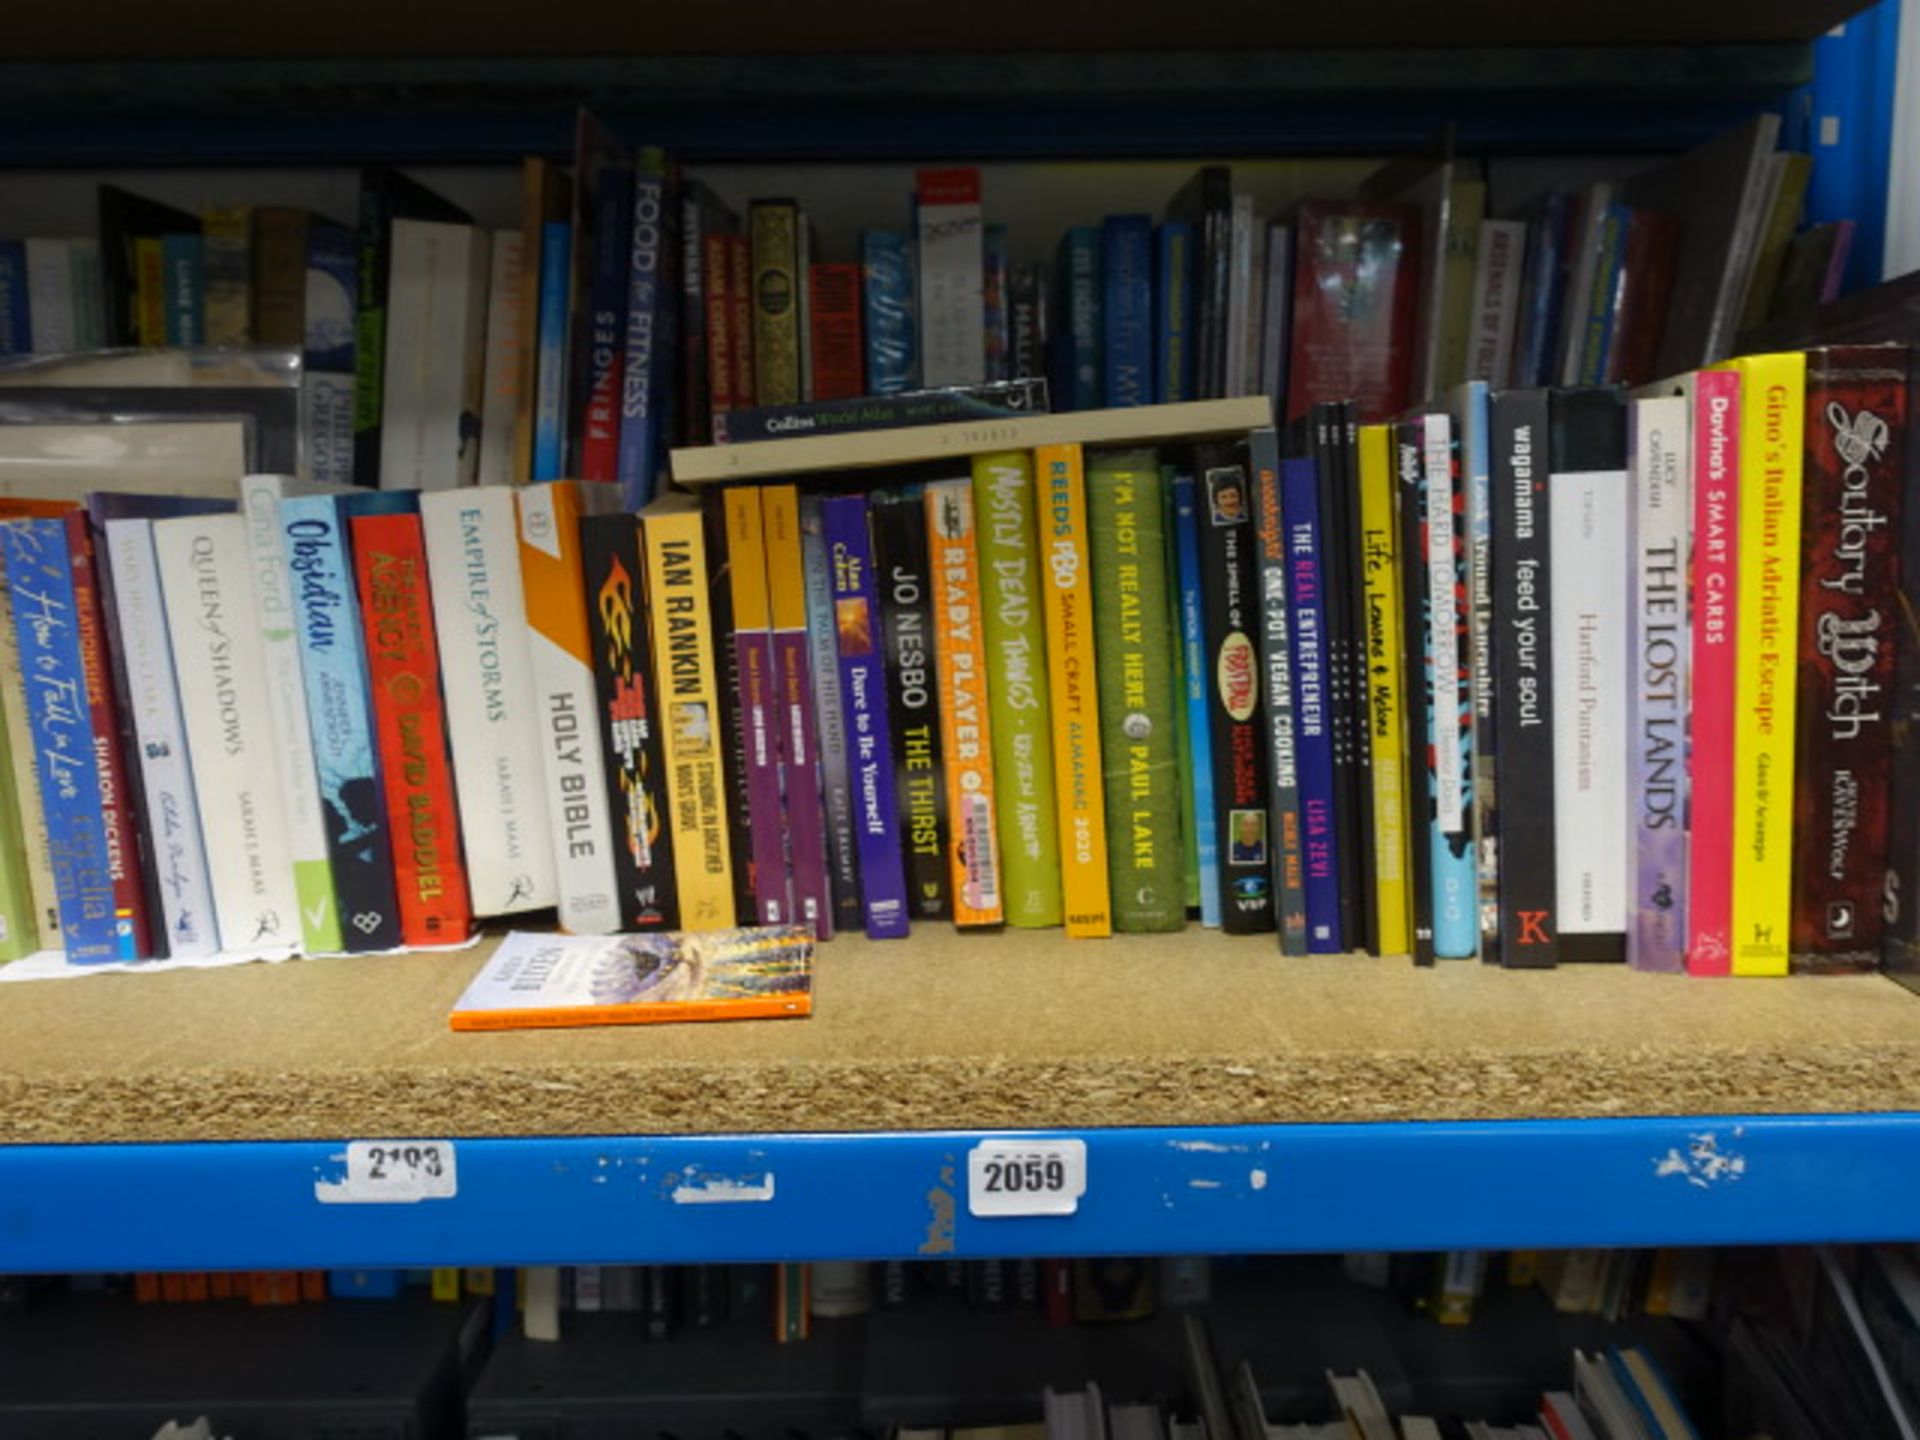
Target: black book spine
[
  {"x": 660, "y": 1300},
  {"x": 1410, "y": 496},
  {"x": 706, "y": 1291},
  {"x": 1231, "y": 593},
  {"x": 1358, "y": 708},
  {"x": 1216, "y": 272},
  {"x": 1329, "y": 430},
  {"x": 919, "y": 776},
  {"x": 1522, "y": 623},
  {"x": 733, "y": 722},
  {"x": 624, "y": 685}
]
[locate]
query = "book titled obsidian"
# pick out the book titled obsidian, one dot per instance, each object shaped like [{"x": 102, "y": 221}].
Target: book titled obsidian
[
  {"x": 629, "y": 715},
  {"x": 1227, "y": 545}
]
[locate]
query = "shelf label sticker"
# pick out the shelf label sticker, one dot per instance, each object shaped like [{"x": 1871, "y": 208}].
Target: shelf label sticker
[
  {"x": 1026, "y": 1177},
  {"x": 393, "y": 1172}
]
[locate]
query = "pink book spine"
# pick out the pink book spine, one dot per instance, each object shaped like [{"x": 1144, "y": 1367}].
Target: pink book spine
[{"x": 1716, "y": 469}]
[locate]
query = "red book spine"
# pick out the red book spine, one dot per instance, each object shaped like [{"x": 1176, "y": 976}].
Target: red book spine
[
  {"x": 719, "y": 323},
  {"x": 390, "y": 565},
  {"x": 1716, "y": 526},
  {"x": 838, "y": 358},
  {"x": 1653, "y": 250},
  {"x": 116, "y": 797},
  {"x": 1355, "y": 307},
  {"x": 1843, "y": 776},
  {"x": 1056, "y": 1291},
  {"x": 740, "y": 317}
]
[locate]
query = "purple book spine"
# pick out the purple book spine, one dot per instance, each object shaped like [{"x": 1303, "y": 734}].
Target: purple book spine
[
  {"x": 806, "y": 820},
  {"x": 760, "y": 711},
  {"x": 863, "y": 687}
]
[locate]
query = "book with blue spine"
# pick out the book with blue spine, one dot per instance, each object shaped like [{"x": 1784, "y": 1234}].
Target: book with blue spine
[
  {"x": 1543, "y": 289},
  {"x": 16, "y": 325},
  {"x": 550, "y": 387},
  {"x": 892, "y": 334},
  {"x": 1313, "y": 727},
  {"x": 600, "y": 328},
  {"x": 823, "y": 651},
  {"x": 1126, "y": 252},
  {"x": 1194, "y": 675},
  {"x": 340, "y": 709},
  {"x": 1078, "y": 386},
  {"x": 863, "y": 690},
  {"x": 185, "y": 289},
  {"x": 1600, "y": 338},
  {"x": 61, "y": 732},
  {"x": 1470, "y": 406},
  {"x": 1173, "y": 313},
  {"x": 1455, "y": 881},
  {"x": 646, "y": 387}
]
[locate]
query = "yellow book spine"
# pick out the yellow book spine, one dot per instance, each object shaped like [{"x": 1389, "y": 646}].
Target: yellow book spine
[
  {"x": 1772, "y": 433},
  {"x": 1067, "y": 600},
  {"x": 688, "y": 677},
  {"x": 1386, "y": 711},
  {"x": 966, "y": 731},
  {"x": 149, "y": 291},
  {"x": 446, "y": 1284}
]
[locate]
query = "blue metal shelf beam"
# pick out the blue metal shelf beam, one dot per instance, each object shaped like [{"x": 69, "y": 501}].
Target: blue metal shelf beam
[{"x": 1158, "y": 1191}]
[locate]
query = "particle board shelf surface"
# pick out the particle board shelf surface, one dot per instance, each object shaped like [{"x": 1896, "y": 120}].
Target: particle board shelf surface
[{"x": 947, "y": 1031}]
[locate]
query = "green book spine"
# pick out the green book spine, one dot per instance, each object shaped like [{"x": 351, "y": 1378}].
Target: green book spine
[
  {"x": 1017, "y": 695},
  {"x": 18, "y": 933},
  {"x": 1189, "y": 821},
  {"x": 1139, "y": 735}
]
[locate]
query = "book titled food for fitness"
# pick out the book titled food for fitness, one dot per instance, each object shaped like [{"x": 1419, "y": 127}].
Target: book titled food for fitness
[
  {"x": 553, "y": 981},
  {"x": 882, "y": 412}
]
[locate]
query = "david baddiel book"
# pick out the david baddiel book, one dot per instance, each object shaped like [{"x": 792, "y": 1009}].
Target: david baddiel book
[
  {"x": 692, "y": 722},
  {"x": 883, "y": 881},
  {"x": 1016, "y": 683}
]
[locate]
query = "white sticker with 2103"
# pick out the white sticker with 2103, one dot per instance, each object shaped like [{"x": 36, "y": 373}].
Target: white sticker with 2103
[
  {"x": 393, "y": 1172},
  {"x": 1026, "y": 1177}
]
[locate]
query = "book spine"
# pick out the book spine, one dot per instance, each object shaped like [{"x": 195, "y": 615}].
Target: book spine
[
  {"x": 1714, "y": 666},
  {"x": 16, "y": 323},
  {"x": 1029, "y": 322},
  {"x": 325, "y": 609},
  {"x": 1772, "y": 453},
  {"x": 856, "y": 604},
  {"x": 390, "y": 563},
  {"x": 646, "y": 356},
  {"x": 149, "y": 292},
  {"x": 740, "y": 315},
  {"x": 629, "y": 721},
  {"x": 553, "y": 588},
  {"x": 19, "y": 920},
  {"x": 1385, "y": 664},
  {"x": 906, "y": 591},
  {"x": 717, "y": 315},
  {"x": 375, "y": 225},
  {"x": 1240, "y": 226},
  {"x": 602, "y": 388},
  {"x": 1016, "y": 685},
  {"x": 182, "y": 283},
  {"x": 326, "y": 359},
  {"x": 995, "y": 300},
  {"x": 87, "y": 289},
  {"x": 204, "y": 565},
  {"x": 799, "y": 727},
  {"x": 834, "y": 291},
  {"x": 1601, "y": 311},
  {"x": 732, "y": 716},
  {"x": 24, "y": 759},
  {"x": 500, "y": 376},
  {"x": 1472, "y": 415},
  {"x": 486, "y": 676},
  {"x": 695, "y": 416},
  {"x": 226, "y": 239},
  {"x": 430, "y": 414},
  {"x": 1456, "y": 913},
  {"x": 1126, "y": 509},
  {"x": 1856, "y": 419},
  {"x": 684, "y": 649},
  {"x": 1079, "y": 783},
  {"x": 1008, "y": 400},
  {"x": 279, "y": 276},
  {"x": 1227, "y": 543},
  {"x": 1200, "y": 813},
  {"x": 892, "y": 340},
  {"x": 52, "y": 323},
  {"x": 1336, "y": 637},
  {"x": 966, "y": 722},
  {"x": 60, "y": 732},
  {"x": 550, "y": 365},
  {"x": 1300, "y": 506},
  {"x": 823, "y": 650},
  {"x": 166, "y": 775},
  {"x": 1417, "y": 606},
  {"x": 1356, "y": 842},
  {"x": 774, "y": 228},
  {"x": 1126, "y": 247},
  {"x": 1186, "y": 692},
  {"x": 1496, "y": 300},
  {"x": 757, "y": 695},
  {"x": 1080, "y": 298},
  {"x": 1659, "y": 458},
  {"x": 1523, "y": 678},
  {"x": 1276, "y": 669},
  {"x": 953, "y": 347},
  {"x": 1173, "y": 329},
  {"x": 1277, "y": 339}
]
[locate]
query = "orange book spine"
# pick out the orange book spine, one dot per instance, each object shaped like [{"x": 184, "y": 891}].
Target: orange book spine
[{"x": 666, "y": 1012}]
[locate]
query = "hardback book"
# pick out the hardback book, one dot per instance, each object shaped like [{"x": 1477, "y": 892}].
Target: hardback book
[
  {"x": 1205, "y": 205},
  {"x": 1244, "y": 298},
  {"x": 545, "y": 200},
  {"x": 882, "y": 412},
  {"x": 1067, "y": 600},
  {"x": 1856, "y": 462},
  {"x": 904, "y": 581},
  {"x": 16, "y": 325},
  {"x": 839, "y": 361},
  {"x": 966, "y": 721},
  {"x": 823, "y": 658},
  {"x": 1029, "y": 321},
  {"x": 324, "y": 608},
  {"x": 553, "y": 586},
  {"x": 651, "y": 315},
  {"x": 740, "y": 314},
  {"x": 1276, "y": 694},
  {"x": 403, "y": 665},
  {"x": 1410, "y": 511},
  {"x": 1660, "y": 473},
  {"x": 1126, "y": 252},
  {"x": 501, "y": 368},
  {"x": 1645, "y": 298},
  {"x": 1300, "y": 508},
  {"x": 486, "y": 676},
  {"x": 386, "y": 197},
  {"x": 870, "y": 758},
  {"x": 716, "y": 318},
  {"x": 703, "y": 217},
  {"x": 692, "y": 721},
  {"x": 1471, "y": 408},
  {"x": 332, "y": 280},
  {"x": 279, "y": 256},
  {"x": 181, "y": 298},
  {"x": 756, "y": 694},
  {"x": 1138, "y": 745},
  {"x": 1772, "y": 457},
  {"x": 1008, "y": 542},
  {"x": 1199, "y": 817},
  {"x": 546, "y": 981},
  {"x": 1355, "y": 290},
  {"x": 600, "y": 298},
  {"x": 436, "y": 317},
  {"x": 798, "y": 727},
  {"x": 891, "y": 315},
  {"x": 226, "y": 262},
  {"x": 995, "y": 280},
  {"x": 1386, "y": 738},
  {"x": 206, "y": 568},
  {"x": 1587, "y": 494},
  {"x": 628, "y": 714},
  {"x": 127, "y": 219},
  {"x": 951, "y": 286},
  {"x": 1173, "y": 312},
  {"x": 1495, "y": 307},
  {"x": 550, "y": 354},
  {"x": 1079, "y": 377},
  {"x": 773, "y": 229}
]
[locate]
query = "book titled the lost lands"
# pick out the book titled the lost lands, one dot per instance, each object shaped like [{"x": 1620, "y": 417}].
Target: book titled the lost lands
[{"x": 554, "y": 981}]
